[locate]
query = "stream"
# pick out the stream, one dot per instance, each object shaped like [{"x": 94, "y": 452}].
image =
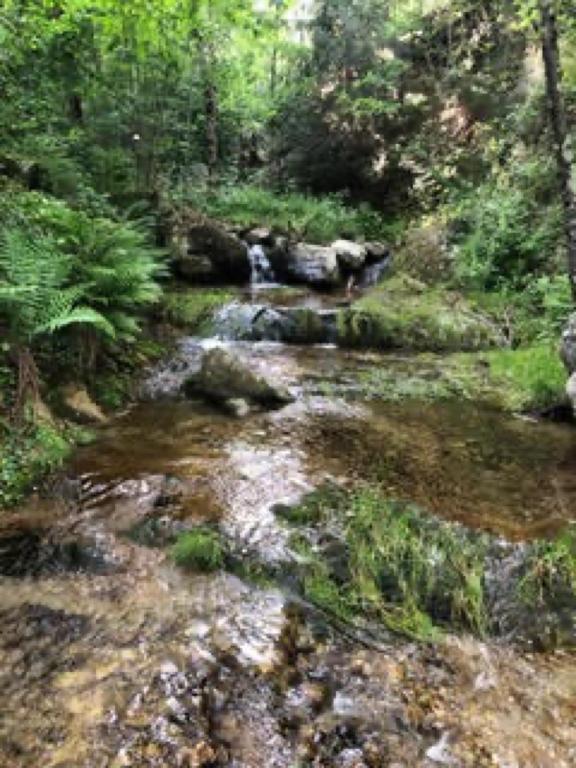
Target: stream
[{"x": 113, "y": 657}]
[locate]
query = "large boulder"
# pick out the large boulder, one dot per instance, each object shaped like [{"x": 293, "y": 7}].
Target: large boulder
[
  {"x": 205, "y": 252},
  {"x": 223, "y": 377},
  {"x": 290, "y": 325},
  {"x": 568, "y": 347},
  {"x": 351, "y": 256},
  {"x": 314, "y": 265}
]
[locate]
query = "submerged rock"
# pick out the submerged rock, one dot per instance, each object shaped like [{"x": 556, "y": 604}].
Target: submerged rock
[{"x": 224, "y": 377}]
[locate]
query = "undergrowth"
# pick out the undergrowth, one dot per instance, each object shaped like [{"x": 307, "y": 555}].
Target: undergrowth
[{"x": 319, "y": 220}]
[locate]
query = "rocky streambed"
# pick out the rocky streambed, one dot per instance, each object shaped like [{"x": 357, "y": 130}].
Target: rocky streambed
[{"x": 112, "y": 655}]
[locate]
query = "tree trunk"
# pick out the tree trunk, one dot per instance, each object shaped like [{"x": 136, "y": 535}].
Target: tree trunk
[
  {"x": 211, "y": 110},
  {"x": 558, "y": 120}
]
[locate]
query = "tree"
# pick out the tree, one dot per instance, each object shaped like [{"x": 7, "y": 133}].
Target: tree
[{"x": 558, "y": 120}]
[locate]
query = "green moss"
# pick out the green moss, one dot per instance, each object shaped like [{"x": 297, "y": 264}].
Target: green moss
[
  {"x": 403, "y": 313},
  {"x": 199, "y": 550},
  {"x": 193, "y": 309}
]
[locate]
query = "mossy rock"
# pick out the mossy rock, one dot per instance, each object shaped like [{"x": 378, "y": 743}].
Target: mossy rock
[{"x": 403, "y": 313}]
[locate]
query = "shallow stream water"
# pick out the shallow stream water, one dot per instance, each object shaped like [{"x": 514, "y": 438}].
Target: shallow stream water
[{"x": 111, "y": 656}]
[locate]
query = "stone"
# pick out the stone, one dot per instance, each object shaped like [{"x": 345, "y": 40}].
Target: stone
[
  {"x": 571, "y": 390},
  {"x": 237, "y": 407},
  {"x": 568, "y": 346},
  {"x": 77, "y": 404},
  {"x": 260, "y": 236},
  {"x": 376, "y": 251},
  {"x": 196, "y": 268},
  {"x": 223, "y": 376},
  {"x": 314, "y": 265},
  {"x": 204, "y": 251},
  {"x": 351, "y": 256}
]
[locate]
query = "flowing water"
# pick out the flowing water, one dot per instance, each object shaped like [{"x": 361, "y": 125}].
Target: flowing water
[{"x": 112, "y": 656}]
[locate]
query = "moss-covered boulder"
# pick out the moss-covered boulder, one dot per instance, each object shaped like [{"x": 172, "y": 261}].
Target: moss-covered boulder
[
  {"x": 403, "y": 313},
  {"x": 223, "y": 376}
]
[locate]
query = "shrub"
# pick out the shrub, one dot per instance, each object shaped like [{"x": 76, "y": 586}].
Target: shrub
[
  {"x": 199, "y": 550},
  {"x": 501, "y": 233},
  {"x": 320, "y": 220}
]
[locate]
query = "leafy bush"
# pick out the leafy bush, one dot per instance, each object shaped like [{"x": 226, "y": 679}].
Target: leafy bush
[
  {"x": 501, "y": 233},
  {"x": 320, "y": 220},
  {"x": 199, "y": 550}
]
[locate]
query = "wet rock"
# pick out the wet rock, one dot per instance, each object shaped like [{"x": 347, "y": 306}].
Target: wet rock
[
  {"x": 315, "y": 265},
  {"x": 376, "y": 251},
  {"x": 202, "y": 754},
  {"x": 204, "y": 251},
  {"x": 167, "y": 378},
  {"x": 568, "y": 345},
  {"x": 351, "y": 256},
  {"x": 223, "y": 376},
  {"x": 571, "y": 390},
  {"x": 76, "y": 404},
  {"x": 260, "y": 236},
  {"x": 289, "y": 325},
  {"x": 237, "y": 407}
]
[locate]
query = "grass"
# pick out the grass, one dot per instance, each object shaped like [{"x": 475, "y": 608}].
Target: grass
[
  {"x": 199, "y": 550},
  {"x": 532, "y": 378},
  {"x": 420, "y": 576},
  {"x": 403, "y": 313},
  {"x": 193, "y": 309},
  {"x": 550, "y": 570},
  {"x": 410, "y": 572},
  {"x": 319, "y": 220}
]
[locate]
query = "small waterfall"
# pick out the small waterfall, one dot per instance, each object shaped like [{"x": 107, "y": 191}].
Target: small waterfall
[
  {"x": 374, "y": 273},
  {"x": 262, "y": 271}
]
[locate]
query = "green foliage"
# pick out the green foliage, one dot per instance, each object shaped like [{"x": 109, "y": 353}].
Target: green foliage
[
  {"x": 36, "y": 295},
  {"x": 193, "y": 309},
  {"x": 26, "y": 454},
  {"x": 319, "y": 220},
  {"x": 504, "y": 233},
  {"x": 532, "y": 378},
  {"x": 404, "y": 313},
  {"x": 199, "y": 549}
]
